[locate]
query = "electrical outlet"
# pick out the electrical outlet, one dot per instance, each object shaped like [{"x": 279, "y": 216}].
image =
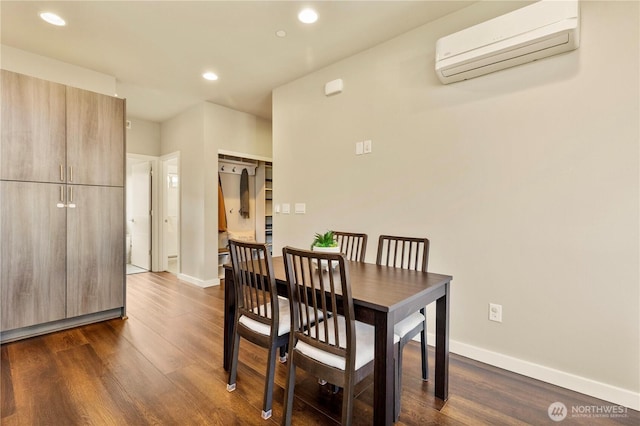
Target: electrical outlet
[{"x": 495, "y": 312}]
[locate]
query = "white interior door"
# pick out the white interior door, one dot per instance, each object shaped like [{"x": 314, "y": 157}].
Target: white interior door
[
  {"x": 171, "y": 215},
  {"x": 141, "y": 215}
]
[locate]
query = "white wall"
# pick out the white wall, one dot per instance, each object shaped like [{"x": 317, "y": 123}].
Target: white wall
[
  {"x": 143, "y": 137},
  {"x": 185, "y": 133},
  {"x": 236, "y": 131},
  {"x": 198, "y": 134},
  {"x": 525, "y": 181},
  {"x": 28, "y": 63}
]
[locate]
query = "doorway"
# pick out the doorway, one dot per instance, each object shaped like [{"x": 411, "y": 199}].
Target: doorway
[
  {"x": 139, "y": 201},
  {"x": 171, "y": 213}
]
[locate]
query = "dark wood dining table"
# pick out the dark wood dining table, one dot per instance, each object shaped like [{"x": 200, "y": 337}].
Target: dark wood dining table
[{"x": 382, "y": 296}]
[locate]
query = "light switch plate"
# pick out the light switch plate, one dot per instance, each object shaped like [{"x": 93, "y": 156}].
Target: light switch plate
[
  {"x": 301, "y": 208},
  {"x": 495, "y": 312},
  {"x": 286, "y": 208},
  {"x": 367, "y": 146},
  {"x": 359, "y": 148}
]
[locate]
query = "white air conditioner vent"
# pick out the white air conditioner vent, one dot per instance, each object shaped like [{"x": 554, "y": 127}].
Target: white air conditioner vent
[{"x": 542, "y": 29}]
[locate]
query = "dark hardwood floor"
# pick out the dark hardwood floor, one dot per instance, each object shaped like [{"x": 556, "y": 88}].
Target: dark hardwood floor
[{"x": 163, "y": 365}]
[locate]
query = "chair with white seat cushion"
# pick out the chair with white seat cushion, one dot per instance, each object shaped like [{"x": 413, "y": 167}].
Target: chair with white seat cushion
[
  {"x": 338, "y": 349},
  {"x": 262, "y": 317},
  {"x": 406, "y": 253}
]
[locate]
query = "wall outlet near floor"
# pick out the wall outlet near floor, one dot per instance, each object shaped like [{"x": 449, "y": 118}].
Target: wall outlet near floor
[{"x": 495, "y": 312}]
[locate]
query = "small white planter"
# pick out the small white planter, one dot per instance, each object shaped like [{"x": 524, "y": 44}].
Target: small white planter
[{"x": 325, "y": 266}]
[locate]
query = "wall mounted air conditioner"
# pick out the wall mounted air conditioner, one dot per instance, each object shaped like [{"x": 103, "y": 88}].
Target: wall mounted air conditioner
[{"x": 533, "y": 32}]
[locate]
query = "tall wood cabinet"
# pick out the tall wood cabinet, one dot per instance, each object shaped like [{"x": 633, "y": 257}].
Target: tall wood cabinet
[{"x": 62, "y": 227}]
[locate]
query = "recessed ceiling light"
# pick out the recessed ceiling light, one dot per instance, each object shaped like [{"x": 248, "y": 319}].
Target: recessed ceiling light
[
  {"x": 53, "y": 19},
  {"x": 210, "y": 76},
  {"x": 281, "y": 33},
  {"x": 308, "y": 16}
]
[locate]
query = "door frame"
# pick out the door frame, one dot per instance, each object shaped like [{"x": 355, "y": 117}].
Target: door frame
[
  {"x": 163, "y": 264},
  {"x": 155, "y": 204}
]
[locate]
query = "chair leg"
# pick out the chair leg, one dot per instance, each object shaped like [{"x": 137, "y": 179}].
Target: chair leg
[
  {"x": 347, "y": 402},
  {"x": 231, "y": 383},
  {"x": 268, "y": 385},
  {"x": 288, "y": 392},
  {"x": 423, "y": 348}
]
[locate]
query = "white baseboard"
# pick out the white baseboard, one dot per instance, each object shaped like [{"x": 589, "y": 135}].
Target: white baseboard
[
  {"x": 198, "y": 282},
  {"x": 563, "y": 379}
]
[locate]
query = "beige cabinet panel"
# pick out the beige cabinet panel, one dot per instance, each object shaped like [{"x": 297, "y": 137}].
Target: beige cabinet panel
[
  {"x": 95, "y": 138},
  {"x": 95, "y": 249},
  {"x": 32, "y": 253},
  {"x": 32, "y": 141}
]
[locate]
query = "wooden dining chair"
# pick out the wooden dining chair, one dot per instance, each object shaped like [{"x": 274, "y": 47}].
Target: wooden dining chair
[
  {"x": 406, "y": 253},
  {"x": 262, "y": 317},
  {"x": 338, "y": 348},
  {"x": 353, "y": 245}
]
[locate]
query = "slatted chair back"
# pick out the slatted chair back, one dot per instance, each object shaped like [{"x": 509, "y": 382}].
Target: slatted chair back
[
  {"x": 259, "y": 312},
  {"x": 327, "y": 348},
  {"x": 314, "y": 293},
  {"x": 406, "y": 253},
  {"x": 353, "y": 245},
  {"x": 403, "y": 252},
  {"x": 256, "y": 293}
]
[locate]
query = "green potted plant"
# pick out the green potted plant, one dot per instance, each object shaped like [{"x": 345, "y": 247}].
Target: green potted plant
[{"x": 325, "y": 243}]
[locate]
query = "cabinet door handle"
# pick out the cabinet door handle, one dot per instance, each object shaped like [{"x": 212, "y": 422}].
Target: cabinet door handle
[
  {"x": 70, "y": 173},
  {"x": 61, "y": 204},
  {"x": 61, "y": 173},
  {"x": 71, "y": 204}
]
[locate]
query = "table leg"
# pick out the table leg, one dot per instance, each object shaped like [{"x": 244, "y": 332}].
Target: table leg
[
  {"x": 442, "y": 346},
  {"x": 229, "y": 315},
  {"x": 383, "y": 375}
]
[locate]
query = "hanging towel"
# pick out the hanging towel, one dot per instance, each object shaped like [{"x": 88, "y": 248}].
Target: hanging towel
[
  {"x": 244, "y": 194},
  {"x": 222, "y": 211}
]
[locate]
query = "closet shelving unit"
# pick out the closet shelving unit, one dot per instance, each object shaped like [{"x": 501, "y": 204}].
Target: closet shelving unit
[
  {"x": 261, "y": 172},
  {"x": 268, "y": 204}
]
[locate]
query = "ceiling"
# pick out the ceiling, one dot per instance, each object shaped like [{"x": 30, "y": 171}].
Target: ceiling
[{"x": 158, "y": 50}]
